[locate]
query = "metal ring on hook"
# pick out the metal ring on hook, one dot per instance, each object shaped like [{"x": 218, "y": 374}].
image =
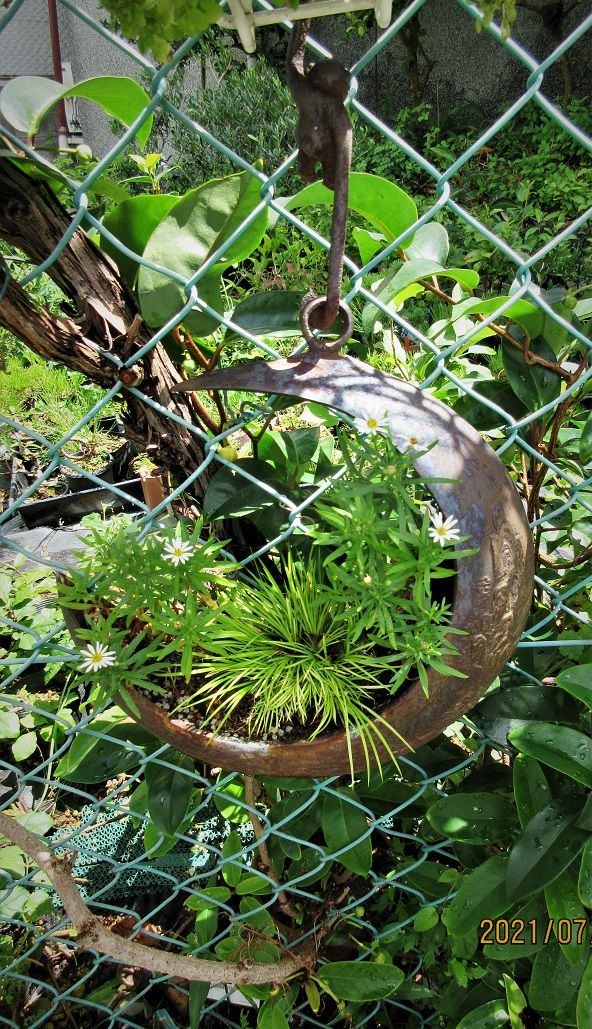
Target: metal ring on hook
[{"x": 313, "y": 341}]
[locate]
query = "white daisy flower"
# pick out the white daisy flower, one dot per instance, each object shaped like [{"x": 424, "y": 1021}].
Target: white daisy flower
[
  {"x": 443, "y": 531},
  {"x": 369, "y": 425},
  {"x": 177, "y": 551},
  {"x": 97, "y": 656}
]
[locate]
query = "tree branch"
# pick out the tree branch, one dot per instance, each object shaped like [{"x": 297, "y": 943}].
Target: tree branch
[{"x": 93, "y": 935}]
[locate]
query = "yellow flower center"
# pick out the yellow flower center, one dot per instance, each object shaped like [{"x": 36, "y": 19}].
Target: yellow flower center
[{"x": 372, "y": 423}]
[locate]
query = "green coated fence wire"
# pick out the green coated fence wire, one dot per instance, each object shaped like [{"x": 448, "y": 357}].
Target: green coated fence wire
[{"x": 128, "y": 873}]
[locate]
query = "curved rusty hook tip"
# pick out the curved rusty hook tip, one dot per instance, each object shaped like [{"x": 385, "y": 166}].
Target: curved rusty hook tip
[{"x": 310, "y": 304}]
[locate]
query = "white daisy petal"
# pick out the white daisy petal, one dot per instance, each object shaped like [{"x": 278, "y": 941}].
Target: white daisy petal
[
  {"x": 97, "y": 656},
  {"x": 442, "y": 530},
  {"x": 177, "y": 551},
  {"x": 372, "y": 423}
]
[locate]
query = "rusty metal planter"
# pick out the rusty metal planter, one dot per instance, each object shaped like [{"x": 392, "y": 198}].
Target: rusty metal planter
[{"x": 492, "y": 588}]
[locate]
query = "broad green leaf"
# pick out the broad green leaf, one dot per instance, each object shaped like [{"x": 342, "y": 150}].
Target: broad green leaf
[
  {"x": 273, "y": 313},
  {"x": 96, "y": 758},
  {"x": 473, "y": 817},
  {"x": 208, "y": 897},
  {"x": 533, "y": 384},
  {"x": 531, "y": 790},
  {"x": 484, "y": 890},
  {"x": 193, "y": 230},
  {"x": 169, "y": 790},
  {"x": 256, "y": 916},
  {"x": 133, "y": 222},
  {"x": 577, "y": 680},
  {"x": 343, "y": 825},
  {"x": 486, "y": 1016},
  {"x": 545, "y": 848},
  {"x": 554, "y": 981},
  {"x": 482, "y": 417},
  {"x": 564, "y": 904},
  {"x": 505, "y": 710},
  {"x": 584, "y": 1003},
  {"x": 388, "y": 209},
  {"x": 37, "y": 905},
  {"x": 9, "y": 725},
  {"x": 26, "y": 100},
  {"x": 412, "y": 271},
  {"x": 232, "y": 848},
  {"x": 205, "y": 925},
  {"x": 360, "y": 980},
  {"x": 198, "y": 994},
  {"x": 368, "y": 243},
  {"x": 227, "y": 799},
  {"x": 270, "y": 1017},
  {"x": 567, "y": 750},
  {"x": 515, "y": 1002},
  {"x": 156, "y": 844},
  {"x": 24, "y": 746},
  {"x": 11, "y": 906},
  {"x": 430, "y": 242},
  {"x": 38, "y": 822},
  {"x": 585, "y": 876},
  {"x": 253, "y": 885},
  {"x": 230, "y": 495},
  {"x": 521, "y": 311},
  {"x": 12, "y": 860},
  {"x": 425, "y": 920}
]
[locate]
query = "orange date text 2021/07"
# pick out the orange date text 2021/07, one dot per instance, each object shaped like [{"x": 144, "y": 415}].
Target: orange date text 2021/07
[{"x": 519, "y": 932}]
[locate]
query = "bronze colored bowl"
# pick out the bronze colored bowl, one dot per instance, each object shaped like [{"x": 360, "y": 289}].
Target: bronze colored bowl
[{"x": 493, "y": 587}]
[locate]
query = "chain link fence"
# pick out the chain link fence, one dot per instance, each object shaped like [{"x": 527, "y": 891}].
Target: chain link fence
[{"x": 142, "y": 889}]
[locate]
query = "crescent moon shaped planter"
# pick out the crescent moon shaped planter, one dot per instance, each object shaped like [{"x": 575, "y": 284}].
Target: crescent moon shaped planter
[{"x": 493, "y": 587}]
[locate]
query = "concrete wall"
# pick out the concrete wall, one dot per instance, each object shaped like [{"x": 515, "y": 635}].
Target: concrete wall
[{"x": 468, "y": 70}]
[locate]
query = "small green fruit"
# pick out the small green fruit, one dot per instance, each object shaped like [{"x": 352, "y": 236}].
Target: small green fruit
[
  {"x": 570, "y": 302},
  {"x": 228, "y": 453},
  {"x": 84, "y": 153}
]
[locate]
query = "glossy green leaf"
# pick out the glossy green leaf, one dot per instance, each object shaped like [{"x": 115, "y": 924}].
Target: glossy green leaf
[
  {"x": 423, "y": 268},
  {"x": 208, "y": 897},
  {"x": 169, "y": 790},
  {"x": 563, "y": 902},
  {"x": 229, "y": 800},
  {"x": 271, "y": 1017},
  {"x": 253, "y": 885},
  {"x": 545, "y": 848},
  {"x": 368, "y": 243},
  {"x": 229, "y": 495},
  {"x": 38, "y": 905},
  {"x": 275, "y": 312},
  {"x": 343, "y": 825},
  {"x": 425, "y": 920},
  {"x": 26, "y": 100},
  {"x": 388, "y": 209},
  {"x": 533, "y": 384},
  {"x": 521, "y": 311},
  {"x": 156, "y": 843},
  {"x": 482, "y": 417},
  {"x": 360, "y": 980},
  {"x": 585, "y": 875},
  {"x": 24, "y": 746},
  {"x": 38, "y": 822},
  {"x": 198, "y": 994},
  {"x": 531, "y": 790},
  {"x": 483, "y": 891},
  {"x": 473, "y": 817},
  {"x": 9, "y": 725},
  {"x": 430, "y": 242},
  {"x": 12, "y": 860},
  {"x": 577, "y": 680},
  {"x": 486, "y": 1016},
  {"x": 232, "y": 848},
  {"x": 195, "y": 227},
  {"x": 133, "y": 222},
  {"x": 554, "y": 981},
  {"x": 567, "y": 750},
  {"x": 515, "y": 1002},
  {"x": 584, "y": 1003},
  {"x": 505, "y": 710},
  {"x": 12, "y": 904},
  {"x": 96, "y": 758}
]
